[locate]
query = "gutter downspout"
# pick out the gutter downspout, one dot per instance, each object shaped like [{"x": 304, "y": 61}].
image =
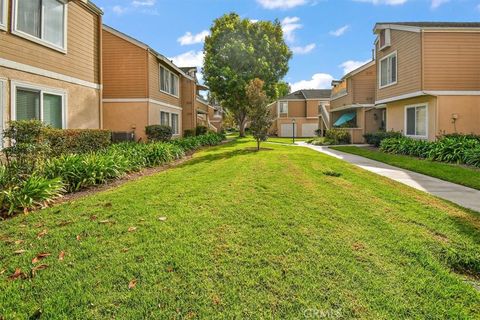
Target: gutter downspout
[{"x": 100, "y": 69}]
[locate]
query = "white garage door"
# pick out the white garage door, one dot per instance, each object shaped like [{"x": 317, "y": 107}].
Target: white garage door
[
  {"x": 286, "y": 130},
  {"x": 308, "y": 129}
]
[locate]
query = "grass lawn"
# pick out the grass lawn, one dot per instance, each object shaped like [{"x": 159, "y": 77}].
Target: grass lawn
[
  {"x": 246, "y": 235},
  {"x": 285, "y": 140},
  {"x": 469, "y": 177}
]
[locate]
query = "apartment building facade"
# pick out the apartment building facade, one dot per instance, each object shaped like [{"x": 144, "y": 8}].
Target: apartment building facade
[
  {"x": 50, "y": 62},
  {"x": 428, "y": 77}
]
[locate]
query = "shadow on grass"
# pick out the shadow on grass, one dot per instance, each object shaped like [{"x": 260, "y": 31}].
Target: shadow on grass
[{"x": 224, "y": 155}]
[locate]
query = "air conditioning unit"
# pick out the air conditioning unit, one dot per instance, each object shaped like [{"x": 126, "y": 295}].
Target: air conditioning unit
[{"x": 123, "y": 136}]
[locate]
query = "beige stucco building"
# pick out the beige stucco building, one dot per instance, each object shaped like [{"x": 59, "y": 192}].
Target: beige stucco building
[
  {"x": 428, "y": 77},
  {"x": 50, "y": 67},
  {"x": 352, "y": 105},
  {"x": 301, "y": 113}
]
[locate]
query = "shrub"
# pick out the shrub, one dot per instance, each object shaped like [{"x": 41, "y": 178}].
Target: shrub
[
  {"x": 67, "y": 141},
  {"x": 189, "y": 133},
  {"x": 159, "y": 133},
  {"x": 472, "y": 157},
  {"x": 376, "y": 137},
  {"x": 25, "y": 194},
  {"x": 454, "y": 149},
  {"x": 337, "y": 136},
  {"x": 200, "y": 130},
  {"x": 320, "y": 141},
  {"x": 27, "y": 146}
]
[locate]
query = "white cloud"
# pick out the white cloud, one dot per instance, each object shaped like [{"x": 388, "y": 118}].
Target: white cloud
[
  {"x": 189, "y": 59},
  {"x": 340, "y": 31},
  {"x": 318, "y": 81},
  {"x": 289, "y": 25},
  {"x": 304, "y": 50},
  {"x": 386, "y": 2},
  {"x": 437, "y": 3},
  {"x": 119, "y": 10},
  {"x": 351, "y": 65},
  {"x": 189, "y": 38},
  {"x": 143, "y": 3},
  {"x": 281, "y": 4}
]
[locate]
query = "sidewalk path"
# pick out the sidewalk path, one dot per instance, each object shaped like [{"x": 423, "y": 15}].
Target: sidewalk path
[{"x": 463, "y": 196}]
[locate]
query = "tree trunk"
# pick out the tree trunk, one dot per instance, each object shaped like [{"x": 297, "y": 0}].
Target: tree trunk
[
  {"x": 241, "y": 125},
  {"x": 258, "y": 144}
]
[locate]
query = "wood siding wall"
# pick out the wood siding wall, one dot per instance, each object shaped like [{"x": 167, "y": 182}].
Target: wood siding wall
[
  {"x": 409, "y": 64},
  {"x": 124, "y": 68},
  {"x": 296, "y": 109},
  {"x": 82, "y": 59},
  {"x": 363, "y": 86},
  {"x": 154, "y": 82},
  {"x": 451, "y": 60}
]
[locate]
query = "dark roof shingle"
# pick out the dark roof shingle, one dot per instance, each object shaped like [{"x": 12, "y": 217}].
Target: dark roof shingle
[{"x": 308, "y": 94}]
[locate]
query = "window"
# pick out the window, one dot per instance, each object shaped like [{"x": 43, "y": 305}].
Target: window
[
  {"x": 283, "y": 107},
  {"x": 168, "y": 81},
  {"x": 388, "y": 70},
  {"x": 416, "y": 121},
  {"x": 385, "y": 39},
  {"x": 37, "y": 104},
  {"x": 175, "y": 123},
  {"x": 43, "y": 20},
  {"x": 2, "y": 108},
  {"x": 3, "y": 14},
  {"x": 164, "y": 118}
]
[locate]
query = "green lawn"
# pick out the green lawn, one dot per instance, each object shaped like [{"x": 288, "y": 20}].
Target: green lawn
[
  {"x": 463, "y": 175},
  {"x": 246, "y": 235},
  {"x": 285, "y": 140}
]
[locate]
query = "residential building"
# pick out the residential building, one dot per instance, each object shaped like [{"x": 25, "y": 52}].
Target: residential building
[
  {"x": 429, "y": 77},
  {"x": 352, "y": 105},
  {"x": 215, "y": 117},
  {"x": 142, "y": 87},
  {"x": 50, "y": 62},
  {"x": 301, "y": 112}
]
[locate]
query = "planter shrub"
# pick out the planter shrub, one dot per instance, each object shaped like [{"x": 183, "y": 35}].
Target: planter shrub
[
  {"x": 159, "y": 133},
  {"x": 337, "y": 136},
  {"x": 188, "y": 133},
  {"x": 201, "y": 130},
  {"x": 67, "y": 141},
  {"x": 462, "y": 149},
  {"x": 376, "y": 138}
]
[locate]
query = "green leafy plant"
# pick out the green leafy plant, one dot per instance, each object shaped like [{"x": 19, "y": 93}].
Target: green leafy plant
[
  {"x": 200, "y": 130},
  {"x": 159, "y": 133},
  {"x": 337, "y": 136},
  {"x": 65, "y": 141},
  {"x": 375, "y": 138}
]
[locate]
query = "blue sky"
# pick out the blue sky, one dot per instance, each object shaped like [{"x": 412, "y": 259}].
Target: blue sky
[{"x": 328, "y": 37}]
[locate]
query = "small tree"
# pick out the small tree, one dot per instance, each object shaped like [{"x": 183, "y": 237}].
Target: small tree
[{"x": 258, "y": 110}]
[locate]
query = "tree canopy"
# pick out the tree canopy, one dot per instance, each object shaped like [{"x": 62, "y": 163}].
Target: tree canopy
[{"x": 238, "y": 51}]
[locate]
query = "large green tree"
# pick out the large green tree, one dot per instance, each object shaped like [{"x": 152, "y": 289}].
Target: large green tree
[{"x": 238, "y": 51}]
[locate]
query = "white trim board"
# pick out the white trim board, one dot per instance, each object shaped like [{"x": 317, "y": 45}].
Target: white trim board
[
  {"x": 126, "y": 100},
  {"x": 46, "y": 73},
  {"x": 425, "y": 93},
  {"x": 3, "y": 105}
]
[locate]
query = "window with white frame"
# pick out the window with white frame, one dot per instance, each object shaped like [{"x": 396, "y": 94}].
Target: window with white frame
[
  {"x": 388, "y": 70},
  {"x": 175, "y": 123},
  {"x": 3, "y": 14},
  {"x": 416, "y": 121},
  {"x": 164, "y": 118},
  {"x": 384, "y": 38},
  {"x": 40, "y": 105},
  {"x": 168, "y": 81},
  {"x": 43, "y": 20},
  {"x": 283, "y": 107}
]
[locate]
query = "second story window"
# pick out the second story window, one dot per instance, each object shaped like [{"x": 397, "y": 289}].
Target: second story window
[
  {"x": 283, "y": 107},
  {"x": 3, "y": 14},
  {"x": 388, "y": 70},
  {"x": 44, "y": 20},
  {"x": 384, "y": 38},
  {"x": 168, "y": 81}
]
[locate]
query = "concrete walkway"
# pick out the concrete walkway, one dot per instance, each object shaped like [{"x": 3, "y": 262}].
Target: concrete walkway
[{"x": 463, "y": 196}]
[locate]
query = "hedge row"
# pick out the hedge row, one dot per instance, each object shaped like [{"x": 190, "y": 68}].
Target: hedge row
[
  {"x": 73, "y": 172},
  {"x": 462, "y": 149}
]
